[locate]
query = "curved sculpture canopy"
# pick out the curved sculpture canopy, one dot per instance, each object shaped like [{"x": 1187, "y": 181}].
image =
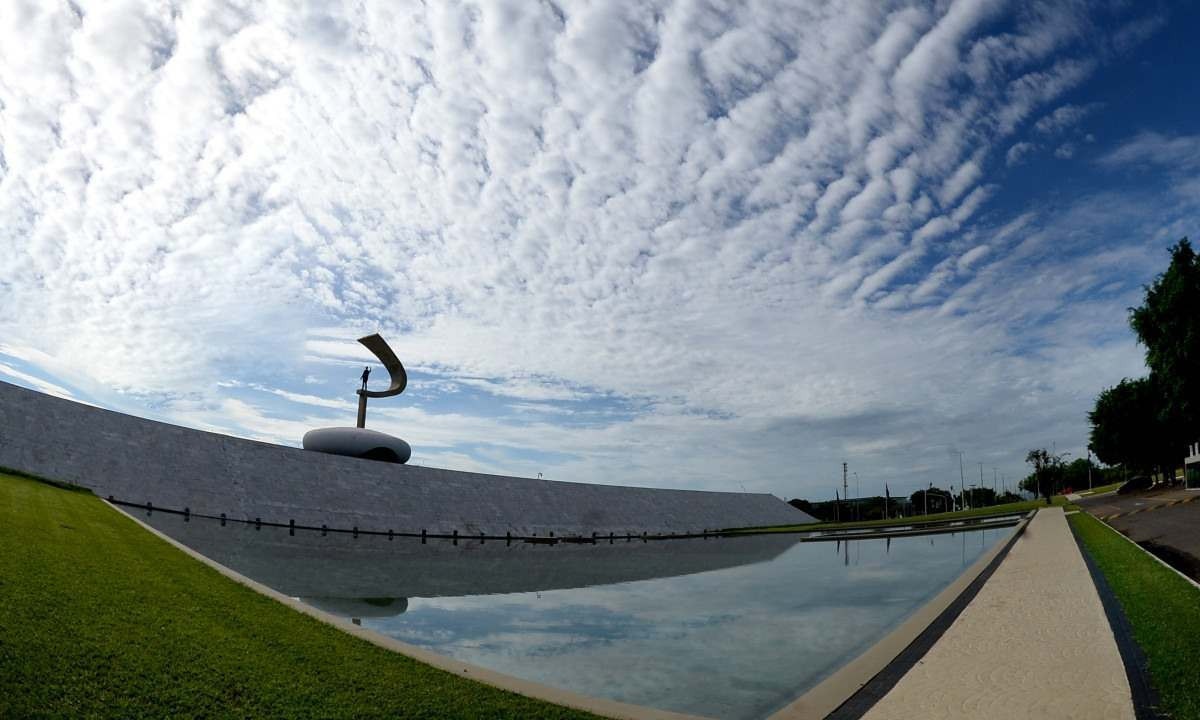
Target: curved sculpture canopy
[
  {"x": 358, "y": 441},
  {"x": 380, "y": 348}
]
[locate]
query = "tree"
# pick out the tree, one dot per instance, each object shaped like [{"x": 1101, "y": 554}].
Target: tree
[
  {"x": 1168, "y": 324},
  {"x": 938, "y": 501},
  {"x": 1075, "y": 475},
  {"x": 1127, "y": 427},
  {"x": 1147, "y": 423},
  {"x": 1057, "y": 476},
  {"x": 820, "y": 510},
  {"x": 1008, "y": 497},
  {"x": 802, "y": 505},
  {"x": 1047, "y": 472}
]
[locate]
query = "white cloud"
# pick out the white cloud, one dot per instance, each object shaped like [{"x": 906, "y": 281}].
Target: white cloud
[
  {"x": 959, "y": 182},
  {"x": 1018, "y": 152},
  {"x": 35, "y": 382},
  {"x": 969, "y": 258},
  {"x": 1064, "y": 117},
  {"x": 726, "y": 214},
  {"x": 1151, "y": 148}
]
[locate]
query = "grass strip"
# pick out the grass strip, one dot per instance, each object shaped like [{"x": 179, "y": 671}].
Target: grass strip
[
  {"x": 99, "y": 618},
  {"x": 1102, "y": 489},
  {"x": 1163, "y": 610}
]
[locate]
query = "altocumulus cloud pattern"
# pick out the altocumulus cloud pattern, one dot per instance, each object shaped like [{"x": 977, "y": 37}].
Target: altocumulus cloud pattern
[{"x": 679, "y": 243}]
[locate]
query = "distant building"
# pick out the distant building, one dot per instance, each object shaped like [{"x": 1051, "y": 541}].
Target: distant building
[{"x": 1193, "y": 458}]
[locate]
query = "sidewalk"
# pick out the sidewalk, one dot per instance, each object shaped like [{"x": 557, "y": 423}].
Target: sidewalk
[{"x": 1034, "y": 643}]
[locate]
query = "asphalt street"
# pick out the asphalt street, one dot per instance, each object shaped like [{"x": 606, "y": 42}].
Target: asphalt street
[{"x": 1165, "y": 522}]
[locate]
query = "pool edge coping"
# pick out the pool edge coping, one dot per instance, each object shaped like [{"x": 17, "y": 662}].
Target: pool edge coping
[
  {"x": 826, "y": 697},
  {"x": 577, "y": 701}
]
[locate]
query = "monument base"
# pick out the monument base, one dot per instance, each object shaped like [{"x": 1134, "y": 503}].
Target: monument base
[{"x": 358, "y": 442}]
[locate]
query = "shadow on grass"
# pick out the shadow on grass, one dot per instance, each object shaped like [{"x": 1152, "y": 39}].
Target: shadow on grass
[{"x": 60, "y": 484}]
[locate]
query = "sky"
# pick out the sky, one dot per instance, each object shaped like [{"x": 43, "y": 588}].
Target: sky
[{"x": 715, "y": 246}]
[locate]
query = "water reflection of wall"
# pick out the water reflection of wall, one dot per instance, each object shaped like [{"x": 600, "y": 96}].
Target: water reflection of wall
[
  {"x": 312, "y": 565},
  {"x": 140, "y": 461}
]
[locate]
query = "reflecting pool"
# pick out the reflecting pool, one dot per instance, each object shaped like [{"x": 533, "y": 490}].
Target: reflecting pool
[{"x": 728, "y": 628}]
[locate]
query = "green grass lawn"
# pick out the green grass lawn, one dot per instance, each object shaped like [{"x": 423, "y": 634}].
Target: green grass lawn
[
  {"x": 99, "y": 618},
  {"x": 1163, "y": 609},
  {"x": 1102, "y": 489},
  {"x": 1023, "y": 506}
]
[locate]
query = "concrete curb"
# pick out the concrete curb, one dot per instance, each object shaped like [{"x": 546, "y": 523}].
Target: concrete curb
[
  {"x": 599, "y": 706},
  {"x": 824, "y": 699}
]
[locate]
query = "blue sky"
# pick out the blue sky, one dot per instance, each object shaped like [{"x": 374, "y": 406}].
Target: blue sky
[{"x": 686, "y": 244}]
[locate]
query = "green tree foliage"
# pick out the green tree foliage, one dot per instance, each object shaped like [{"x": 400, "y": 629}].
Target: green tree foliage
[
  {"x": 805, "y": 506},
  {"x": 939, "y": 501},
  {"x": 1146, "y": 424},
  {"x": 974, "y": 497},
  {"x": 1075, "y": 476},
  {"x": 1127, "y": 428},
  {"x": 1059, "y": 477},
  {"x": 1047, "y": 472},
  {"x": 1168, "y": 324}
]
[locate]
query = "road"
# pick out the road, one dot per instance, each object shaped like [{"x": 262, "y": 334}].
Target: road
[{"x": 1165, "y": 522}]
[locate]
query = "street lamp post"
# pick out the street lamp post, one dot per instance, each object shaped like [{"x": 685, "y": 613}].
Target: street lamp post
[
  {"x": 1089, "y": 468},
  {"x": 962, "y": 480},
  {"x": 858, "y": 494}
]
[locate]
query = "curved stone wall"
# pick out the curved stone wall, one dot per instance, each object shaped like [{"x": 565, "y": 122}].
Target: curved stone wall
[{"x": 143, "y": 461}]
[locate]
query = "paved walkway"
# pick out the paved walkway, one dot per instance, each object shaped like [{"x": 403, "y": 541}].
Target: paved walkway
[{"x": 1034, "y": 643}]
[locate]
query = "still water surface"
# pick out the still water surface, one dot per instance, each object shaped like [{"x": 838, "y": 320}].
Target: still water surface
[
  {"x": 728, "y": 628},
  {"x": 739, "y": 642}
]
